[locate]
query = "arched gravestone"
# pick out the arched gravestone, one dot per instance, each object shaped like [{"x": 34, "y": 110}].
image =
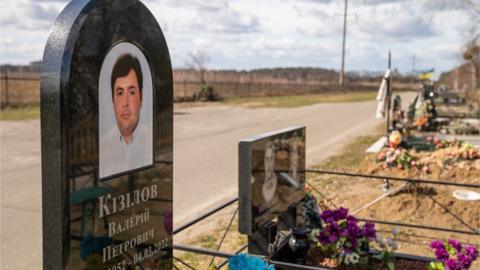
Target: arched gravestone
[{"x": 107, "y": 139}]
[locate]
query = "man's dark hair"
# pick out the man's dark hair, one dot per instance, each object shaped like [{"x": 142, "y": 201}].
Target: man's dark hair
[{"x": 122, "y": 67}]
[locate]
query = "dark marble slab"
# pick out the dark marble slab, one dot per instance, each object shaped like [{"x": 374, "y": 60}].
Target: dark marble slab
[
  {"x": 271, "y": 184},
  {"x": 125, "y": 220}
]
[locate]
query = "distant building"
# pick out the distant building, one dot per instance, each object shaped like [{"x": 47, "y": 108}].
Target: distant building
[{"x": 460, "y": 78}]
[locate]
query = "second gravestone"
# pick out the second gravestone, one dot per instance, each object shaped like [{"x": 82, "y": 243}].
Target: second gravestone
[{"x": 107, "y": 139}]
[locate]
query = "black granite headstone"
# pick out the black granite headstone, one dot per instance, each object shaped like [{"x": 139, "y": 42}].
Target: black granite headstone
[
  {"x": 271, "y": 184},
  {"x": 107, "y": 139}
]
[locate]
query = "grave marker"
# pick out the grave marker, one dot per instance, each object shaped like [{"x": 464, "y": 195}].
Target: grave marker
[
  {"x": 107, "y": 139},
  {"x": 271, "y": 184}
]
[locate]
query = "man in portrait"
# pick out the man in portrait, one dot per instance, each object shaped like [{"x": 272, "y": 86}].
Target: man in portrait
[
  {"x": 124, "y": 146},
  {"x": 270, "y": 182}
]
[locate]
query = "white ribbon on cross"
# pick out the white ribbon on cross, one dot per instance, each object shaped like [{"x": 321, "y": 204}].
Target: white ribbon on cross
[{"x": 382, "y": 96}]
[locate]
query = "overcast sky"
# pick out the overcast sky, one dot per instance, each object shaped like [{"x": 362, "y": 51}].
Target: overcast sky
[{"x": 247, "y": 34}]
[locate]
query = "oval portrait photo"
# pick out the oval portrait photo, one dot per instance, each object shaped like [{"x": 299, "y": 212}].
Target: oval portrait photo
[{"x": 125, "y": 112}]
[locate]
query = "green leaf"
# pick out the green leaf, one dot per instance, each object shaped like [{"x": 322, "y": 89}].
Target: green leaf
[
  {"x": 436, "y": 266},
  {"x": 390, "y": 266},
  {"x": 452, "y": 251}
]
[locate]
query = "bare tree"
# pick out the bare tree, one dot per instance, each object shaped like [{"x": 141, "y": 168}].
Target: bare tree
[
  {"x": 471, "y": 8},
  {"x": 471, "y": 54},
  {"x": 198, "y": 61}
]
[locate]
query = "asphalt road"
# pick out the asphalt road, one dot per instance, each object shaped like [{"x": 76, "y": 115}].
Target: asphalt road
[
  {"x": 205, "y": 162},
  {"x": 206, "y": 145}
]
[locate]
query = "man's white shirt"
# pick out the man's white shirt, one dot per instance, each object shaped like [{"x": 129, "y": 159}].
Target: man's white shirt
[{"x": 116, "y": 156}]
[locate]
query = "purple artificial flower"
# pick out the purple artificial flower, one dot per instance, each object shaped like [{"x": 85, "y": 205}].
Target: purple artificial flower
[
  {"x": 455, "y": 244},
  {"x": 353, "y": 230},
  {"x": 333, "y": 228},
  {"x": 452, "y": 264},
  {"x": 323, "y": 238},
  {"x": 471, "y": 252},
  {"x": 332, "y": 238},
  {"x": 464, "y": 260},
  {"x": 352, "y": 219},
  {"x": 328, "y": 216},
  {"x": 437, "y": 244},
  {"x": 369, "y": 230},
  {"x": 344, "y": 232},
  {"x": 442, "y": 254},
  {"x": 341, "y": 213},
  {"x": 168, "y": 222}
]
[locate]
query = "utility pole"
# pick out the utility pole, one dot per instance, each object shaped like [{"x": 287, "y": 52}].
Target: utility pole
[
  {"x": 413, "y": 68},
  {"x": 342, "y": 70},
  {"x": 386, "y": 182},
  {"x": 389, "y": 90}
]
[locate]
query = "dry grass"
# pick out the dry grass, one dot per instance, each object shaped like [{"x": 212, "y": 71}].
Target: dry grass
[
  {"x": 299, "y": 100},
  {"x": 20, "y": 113},
  {"x": 353, "y": 153},
  {"x": 210, "y": 240},
  {"x": 351, "y": 158}
]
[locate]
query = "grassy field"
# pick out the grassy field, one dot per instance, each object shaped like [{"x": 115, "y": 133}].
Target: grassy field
[
  {"x": 20, "y": 113},
  {"x": 33, "y": 111},
  {"x": 299, "y": 100},
  {"x": 352, "y": 155},
  {"x": 352, "y": 158}
]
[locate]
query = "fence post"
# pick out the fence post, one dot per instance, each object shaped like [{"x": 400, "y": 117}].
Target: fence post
[
  {"x": 250, "y": 85},
  {"x": 185, "y": 90},
  {"x": 6, "y": 88}
]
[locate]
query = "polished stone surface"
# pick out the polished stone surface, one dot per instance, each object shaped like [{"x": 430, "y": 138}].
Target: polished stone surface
[
  {"x": 78, "y": 231},
  {"x": 271, "y": 184}
]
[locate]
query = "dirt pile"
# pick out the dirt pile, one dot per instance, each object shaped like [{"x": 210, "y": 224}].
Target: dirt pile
[{"x": 459, "y": 162}]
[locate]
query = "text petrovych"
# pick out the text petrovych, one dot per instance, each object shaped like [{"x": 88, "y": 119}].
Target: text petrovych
[{"x": 113, "y": 251}]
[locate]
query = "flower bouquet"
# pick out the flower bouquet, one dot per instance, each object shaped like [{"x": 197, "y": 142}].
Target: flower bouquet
[
  {"x": 452, "y": 256},
  {"x": 401, "y": 159},
  {"x": 343, "y": 243},
  {"x": 342, "y": 239}
]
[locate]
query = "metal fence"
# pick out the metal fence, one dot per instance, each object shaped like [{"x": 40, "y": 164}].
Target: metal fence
[
  {"x": 184, "y": 90},
  {"x": 285, "y": 265},
  {"x": 18, "y": 89}
]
